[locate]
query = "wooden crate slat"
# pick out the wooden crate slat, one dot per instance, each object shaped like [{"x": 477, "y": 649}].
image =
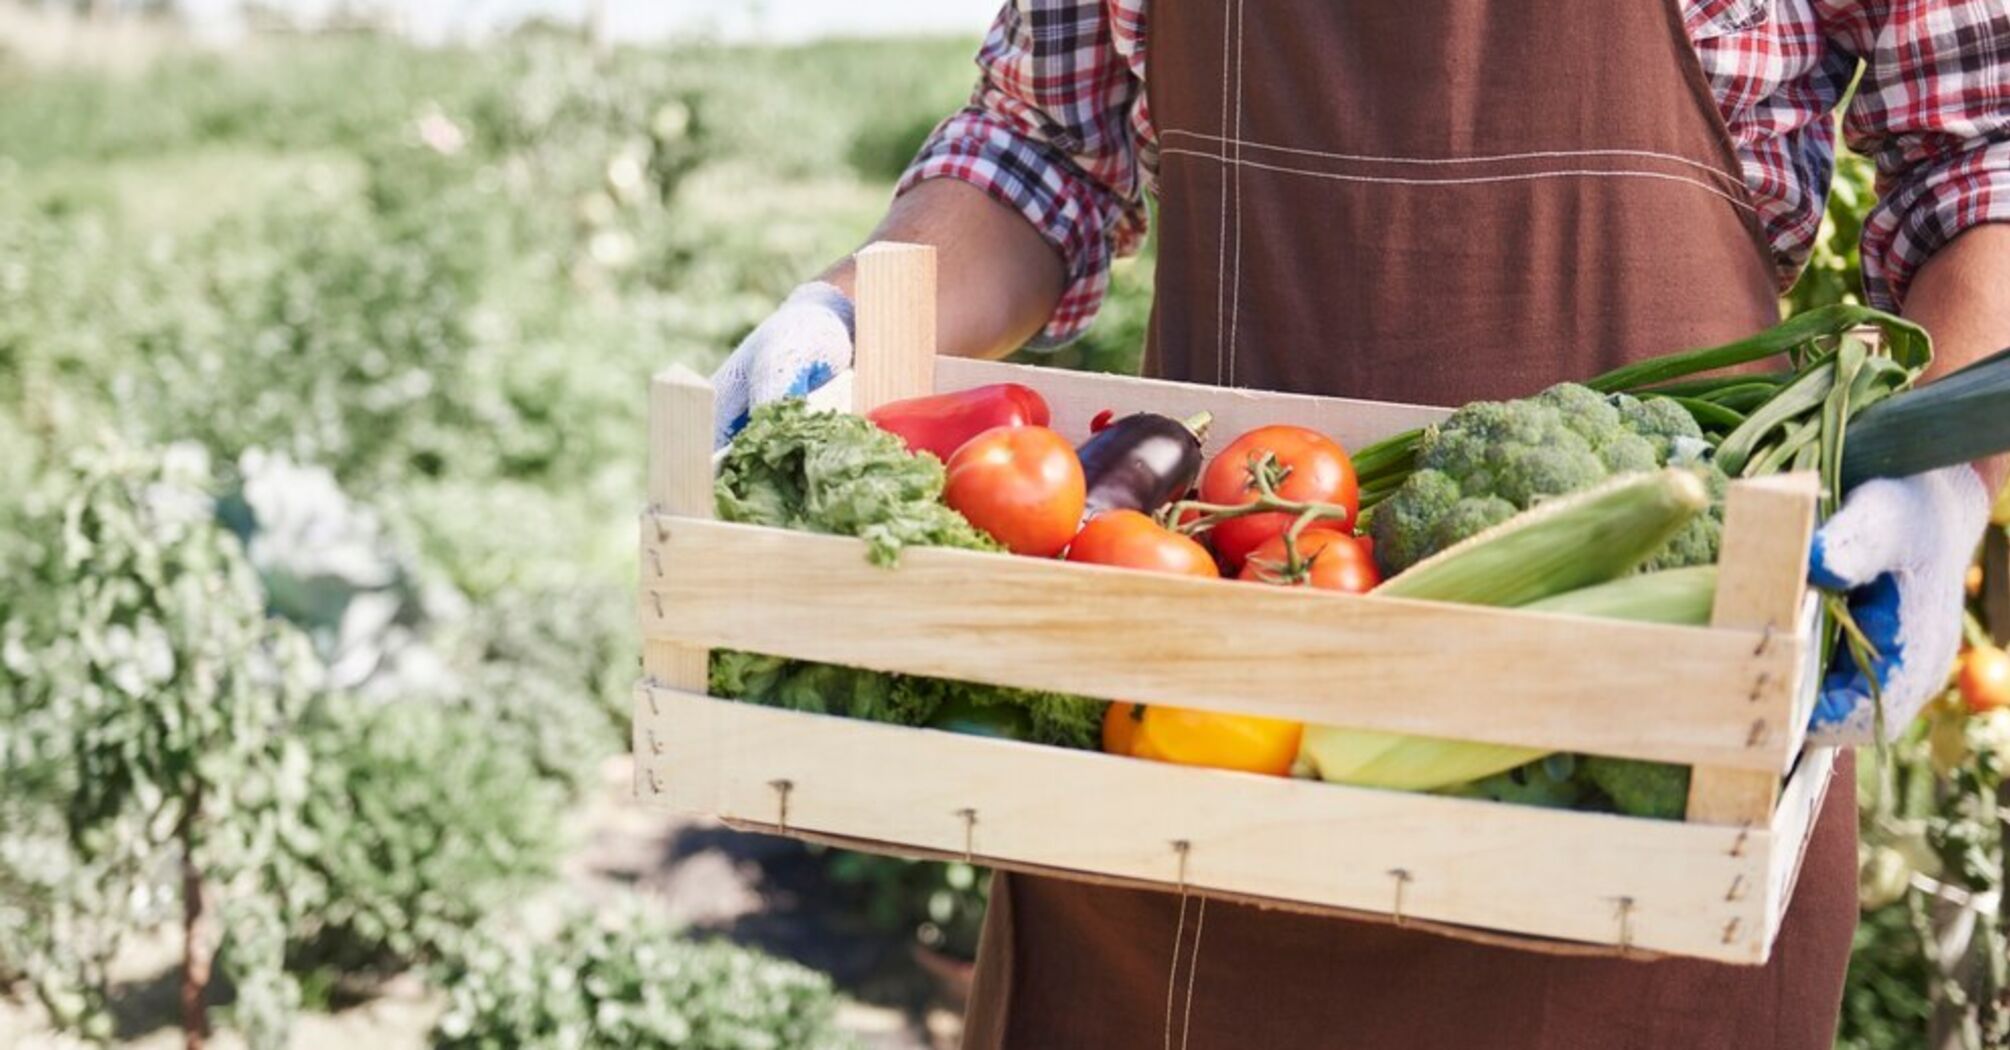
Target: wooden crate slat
[
  {"x": 1762, "y": 575},
  {"x": 895, "y": 322},
  {"x": 1793, "y": 824},
  {"x": 1670, "y": 693},
  {"x": 1512, "y": 868},
  {"x": 1076, "y": 397}
]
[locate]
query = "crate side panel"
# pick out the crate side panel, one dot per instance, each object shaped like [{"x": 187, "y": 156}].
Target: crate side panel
[
  {"x": 1467, "y": 672},
  {"x": 1793, "y": 825},
  {"x": 1508, "y": 868}
]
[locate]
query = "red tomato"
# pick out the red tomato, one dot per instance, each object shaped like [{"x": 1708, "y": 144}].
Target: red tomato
[
  {"x": 1307, "y": 467},
  {"x": 1328, "y": 560},
  {"x": 1130, "y": 540},
  {"x": 1023, "y": 485},
  {"x": 1985, "y": 678}
]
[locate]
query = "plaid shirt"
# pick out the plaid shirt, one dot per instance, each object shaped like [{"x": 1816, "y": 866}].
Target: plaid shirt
[{"x": 1059, "y": 127}]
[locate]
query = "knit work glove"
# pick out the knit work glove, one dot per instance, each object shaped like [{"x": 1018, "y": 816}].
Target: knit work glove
[
  {"x": 800, "y": 347},
  {"x": 1901, "y": 546}
]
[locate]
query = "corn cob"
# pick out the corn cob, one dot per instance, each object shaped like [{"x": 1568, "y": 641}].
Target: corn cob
[{"x": 1571, "y": 555}]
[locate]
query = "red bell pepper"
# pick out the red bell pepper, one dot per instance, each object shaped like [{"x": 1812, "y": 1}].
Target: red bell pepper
[{"x": 941, "y": 423}]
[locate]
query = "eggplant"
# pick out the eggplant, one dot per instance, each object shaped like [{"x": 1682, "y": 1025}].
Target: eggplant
[{"x": 1142, "y": 462}]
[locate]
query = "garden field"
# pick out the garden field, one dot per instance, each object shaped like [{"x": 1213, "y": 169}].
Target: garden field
[{"x": 322, "y": 371}]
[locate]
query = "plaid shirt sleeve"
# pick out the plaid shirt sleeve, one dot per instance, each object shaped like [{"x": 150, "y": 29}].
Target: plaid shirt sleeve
[
  {"x": 1048, "y": 133},
  {"x": 1933, "y": 109}
]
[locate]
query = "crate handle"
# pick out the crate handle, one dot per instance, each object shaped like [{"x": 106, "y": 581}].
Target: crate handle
[{"x": 894, "y": 318}]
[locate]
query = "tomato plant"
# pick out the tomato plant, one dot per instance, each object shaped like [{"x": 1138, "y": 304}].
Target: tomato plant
[
  {"x": 1289, "y": 463},
  {"x": 1131, "y": 540},
  {"x": 1022, "y": 485}
]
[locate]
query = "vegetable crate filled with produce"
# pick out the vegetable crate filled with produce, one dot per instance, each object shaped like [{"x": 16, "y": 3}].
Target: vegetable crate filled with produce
[{"x": 1538, "y": 668}]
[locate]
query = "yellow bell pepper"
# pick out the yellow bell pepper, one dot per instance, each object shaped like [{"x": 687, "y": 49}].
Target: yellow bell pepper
[{"x": 1201, "y": 738}]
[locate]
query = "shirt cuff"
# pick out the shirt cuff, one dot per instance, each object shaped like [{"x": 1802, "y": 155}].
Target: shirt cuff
[
  {"x": 1935, "y": 203},
  {"x": 1082, "y": 221}
]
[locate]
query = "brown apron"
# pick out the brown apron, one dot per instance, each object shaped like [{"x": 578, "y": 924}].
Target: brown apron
[{"x": 1429, "y": 201}]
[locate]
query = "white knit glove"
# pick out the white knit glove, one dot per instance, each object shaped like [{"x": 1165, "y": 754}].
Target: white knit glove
[
  {"x": 801, "y": 346},
  {"x": 1902, "y": 546}
]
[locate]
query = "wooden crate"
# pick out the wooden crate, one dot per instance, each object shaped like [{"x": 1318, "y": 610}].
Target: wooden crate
[{"x": 1731, "y": 699}]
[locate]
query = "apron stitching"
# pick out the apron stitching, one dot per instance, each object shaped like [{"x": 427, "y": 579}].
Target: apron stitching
[
  {"x": 1466, "y": 181},
  {"x": 1235, "y": 292},
  {"x": 1486, "y": 159},
  {"x": 1192, "y": 972},
  {"x": 1221, "y": 244}
]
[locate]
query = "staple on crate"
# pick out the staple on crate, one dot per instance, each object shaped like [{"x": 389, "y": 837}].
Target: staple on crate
[
  {"x": 1402, "y": 877},
  {"x": 969, "y": 834},
  {"x": 1625, "y": 924},
  {"x": 655, "y": 744},
  {"x": 1731, "y": 929},
  {"x": 1182, "y": 847},
  {"x": 1737, "y": 890},
  {"x": 1765, "y": 640},
  {"x": 658, "y": 600},
  {"x": 1738, "y": 844},
  {"x": 1759, "y": 686},
  {"x": 782, "y": 789},
  {"x": 1758, "y": 734},
  {"x": 656, "y": 562}
]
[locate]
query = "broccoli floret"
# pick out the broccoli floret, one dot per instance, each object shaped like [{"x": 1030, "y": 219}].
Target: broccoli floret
[
  {"x": 1659, "y": 420},
  {"x": 1470, "y": 517},
  {"x": 1405, "y": 524},
  {"x": 1639, "y": 789},
  {"x": 1546, "y": 470},
  {"x": 1491, "y": 459}
]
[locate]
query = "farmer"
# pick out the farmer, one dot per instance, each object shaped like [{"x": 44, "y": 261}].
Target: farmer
[{"x": 1437, "y": 201}]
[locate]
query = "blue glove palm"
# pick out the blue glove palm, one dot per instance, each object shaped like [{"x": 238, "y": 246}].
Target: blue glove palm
[
  {"x": 1902, "y": 547},
  {"x": 805, "y": 343}
]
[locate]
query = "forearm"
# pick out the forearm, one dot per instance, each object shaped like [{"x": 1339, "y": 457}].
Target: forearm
[
  {"x": 1962, "y": 297},
  {"x": 997, "y": 279}
]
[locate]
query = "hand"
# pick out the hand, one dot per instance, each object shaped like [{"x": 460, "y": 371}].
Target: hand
[
  {"x": 801, "y": 346},
  {"x": 1902, "y": 546}
]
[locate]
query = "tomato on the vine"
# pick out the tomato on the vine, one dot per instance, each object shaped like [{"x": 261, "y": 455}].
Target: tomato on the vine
[
  {"x": 1023, "y": 485},
  {"x": 1327, "y": 560},
  {"x": 1131, "y": 540},
  {"x": 1301, "y": 465}
]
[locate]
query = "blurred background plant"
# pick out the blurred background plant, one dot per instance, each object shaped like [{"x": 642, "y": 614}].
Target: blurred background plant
[{"x": 346, "y": 339}]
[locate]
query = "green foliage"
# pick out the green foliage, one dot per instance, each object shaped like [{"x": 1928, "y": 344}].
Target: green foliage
[
  {"x": 145, "y": 697},
  {"x": 1834, "y": 273},
  {"x": 940, "y": 905},
  {"x": 795, "y": 468},
  {"x": 631, "y": 981},
  {"x": 416, "y": 827}
]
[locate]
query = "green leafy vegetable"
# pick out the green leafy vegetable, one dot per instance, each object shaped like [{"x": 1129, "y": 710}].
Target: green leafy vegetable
[
  {"x": 795, "y": 468},
  {"x": 831, "y": 472}
]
